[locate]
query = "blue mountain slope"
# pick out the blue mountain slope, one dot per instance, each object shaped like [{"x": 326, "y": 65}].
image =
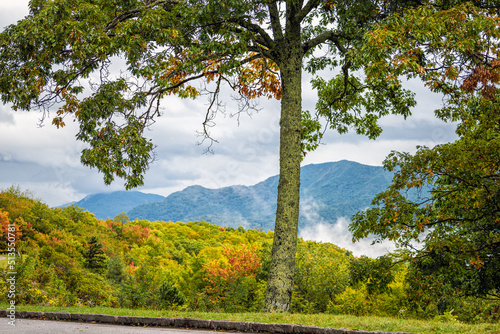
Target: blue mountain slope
[
  {"x": 104, "y": 205},
  {"x": 328, "y": 191}
]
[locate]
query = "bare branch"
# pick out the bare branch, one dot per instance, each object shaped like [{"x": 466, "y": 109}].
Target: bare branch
[{"x": 210, "y": 115}]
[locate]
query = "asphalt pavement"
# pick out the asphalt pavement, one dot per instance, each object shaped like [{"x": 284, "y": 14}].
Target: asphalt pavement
[{"x": 32, "y": 326}]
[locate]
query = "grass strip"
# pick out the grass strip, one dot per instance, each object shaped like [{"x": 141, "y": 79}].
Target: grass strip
[{"x": 321, "y": 320}]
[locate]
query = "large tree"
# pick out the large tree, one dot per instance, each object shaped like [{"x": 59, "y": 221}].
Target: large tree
[
  {"x": 444, "y": 202},
  {"x": 256, "y": 47}
]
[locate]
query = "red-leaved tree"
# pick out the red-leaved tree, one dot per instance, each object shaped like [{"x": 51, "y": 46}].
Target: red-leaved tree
[{"x": 231, "y": 283}]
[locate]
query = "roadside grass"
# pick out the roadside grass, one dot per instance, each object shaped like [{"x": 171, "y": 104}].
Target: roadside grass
[
  {"x": 3, "y": 262},
  {"x": 320, "y": 320}
]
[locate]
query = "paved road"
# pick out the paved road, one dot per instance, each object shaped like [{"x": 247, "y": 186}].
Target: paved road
[{"x": 31, "y": 326}]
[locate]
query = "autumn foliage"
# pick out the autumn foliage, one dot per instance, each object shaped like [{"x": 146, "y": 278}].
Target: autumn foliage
[
  {"x": 4, "y": 224},
  {"x": 69, "y": 258},
  {"x": 231, "y": 280}
]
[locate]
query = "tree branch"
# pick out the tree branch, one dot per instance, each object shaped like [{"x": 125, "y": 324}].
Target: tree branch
[
  {"x": 210, "y": 115},
  {"x": 322, "y": 38},
  {"x": 259, "y": 40},
  {"x": 274, "y": 16},
  {"x": 198, "y": 76},
  {"x": 266, "y": 39},
  {"x": 264, "y": 52},
  {"x": 310, "y": 5},
  {"x": 132, "y": 13}
]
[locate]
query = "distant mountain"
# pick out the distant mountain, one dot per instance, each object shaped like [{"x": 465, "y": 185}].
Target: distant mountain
[
  {"x": 328, "y": 191},
  {"x": 104, "y": 205},
  {"x": 231, "y": 206}
]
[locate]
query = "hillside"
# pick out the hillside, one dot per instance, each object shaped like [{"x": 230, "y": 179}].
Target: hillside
[
  {"x": 328, "y": 191},
  {"x": 70, "y": 258}
]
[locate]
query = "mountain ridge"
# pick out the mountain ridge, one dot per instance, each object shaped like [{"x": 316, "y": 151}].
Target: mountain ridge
[
  {"x": 328, "y": 191},
  {"x": 109, "y": 204}
]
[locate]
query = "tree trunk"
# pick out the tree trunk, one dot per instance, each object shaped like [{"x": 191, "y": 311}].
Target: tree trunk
[{"x": 280, "y": 282}]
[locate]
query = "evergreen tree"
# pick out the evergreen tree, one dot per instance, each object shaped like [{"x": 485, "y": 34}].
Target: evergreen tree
[{"x": 94, "y": 256}]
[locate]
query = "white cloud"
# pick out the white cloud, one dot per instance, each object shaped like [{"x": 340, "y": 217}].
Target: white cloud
[
  {"x": 59, "y": 193},
  {"x": 6, "y": 115},
  {"x": 315, "y": 228},
  {"x": 12, "y": 11},
  {"x": 338, "y": 234}
]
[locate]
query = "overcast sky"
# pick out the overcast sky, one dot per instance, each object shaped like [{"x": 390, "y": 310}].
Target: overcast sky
[{"x": 46, "y": 160}]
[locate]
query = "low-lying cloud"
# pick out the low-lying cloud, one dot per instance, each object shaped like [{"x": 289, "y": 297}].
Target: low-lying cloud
[
  {"x": 317, "y": 228},
  {"x": 338, "y": 234}
]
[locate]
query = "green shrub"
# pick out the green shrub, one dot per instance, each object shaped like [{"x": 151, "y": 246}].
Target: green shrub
[
  {"x": 351, "y": 301},
  {"x": 93, "y": 290},
  {"x": 116, "y": 270},
  {"x": 169, "y": 296}
]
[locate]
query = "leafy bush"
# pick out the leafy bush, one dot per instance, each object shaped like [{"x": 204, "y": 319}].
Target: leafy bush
[
  {"x": 169, "y": 296},
  {"x": 116, "y": 270},
  {"x": 321, "y": 273},
  {"x": 231, "y": 282},
  {"x": 351, "y": 301}
]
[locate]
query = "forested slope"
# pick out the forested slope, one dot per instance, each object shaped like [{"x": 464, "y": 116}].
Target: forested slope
[{"x": 68, "y": 257}]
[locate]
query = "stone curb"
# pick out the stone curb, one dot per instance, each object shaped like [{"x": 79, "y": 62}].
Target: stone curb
[{"x": 223, "y": 325}]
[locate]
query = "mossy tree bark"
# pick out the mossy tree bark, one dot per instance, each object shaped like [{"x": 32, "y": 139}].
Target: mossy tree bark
[{"x": 280, "y": 283}]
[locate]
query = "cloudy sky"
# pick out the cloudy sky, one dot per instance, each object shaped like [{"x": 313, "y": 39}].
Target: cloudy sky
[{"x": 46, "y": 160}]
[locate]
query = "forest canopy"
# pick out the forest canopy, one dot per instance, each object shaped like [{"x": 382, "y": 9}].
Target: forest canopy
[{"x": 69, "y": 258}]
